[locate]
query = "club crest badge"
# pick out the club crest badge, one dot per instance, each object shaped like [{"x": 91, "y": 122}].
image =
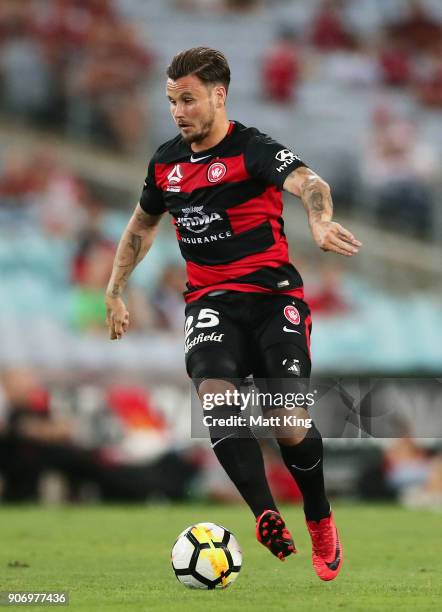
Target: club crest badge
[
  {"x": 292, "y": 315},
  {"x": 216, "y": 172}
]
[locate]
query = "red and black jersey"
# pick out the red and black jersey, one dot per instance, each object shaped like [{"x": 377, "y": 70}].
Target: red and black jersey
[{"x": 226, "y": 206}]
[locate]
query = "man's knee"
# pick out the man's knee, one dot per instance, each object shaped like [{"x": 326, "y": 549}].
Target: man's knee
[{"x": 214, "y": 371}]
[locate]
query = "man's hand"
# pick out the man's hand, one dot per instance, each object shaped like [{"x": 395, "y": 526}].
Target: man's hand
[
  {"x": 117, "y": 317},
  {"x": 316, "y": 197},
  {"x": 331, "y": 236}
]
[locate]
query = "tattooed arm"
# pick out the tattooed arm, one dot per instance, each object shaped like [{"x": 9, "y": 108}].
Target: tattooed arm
[
  {"x": 316, "y": 197},
  {"x": 135, "y": 242}
]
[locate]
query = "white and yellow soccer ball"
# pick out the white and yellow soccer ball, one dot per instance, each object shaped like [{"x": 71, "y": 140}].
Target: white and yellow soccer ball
[{"x": 206, "y": 556}]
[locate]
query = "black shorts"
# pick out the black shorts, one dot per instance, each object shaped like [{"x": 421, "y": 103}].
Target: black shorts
[{"x": 266, "y": 335}]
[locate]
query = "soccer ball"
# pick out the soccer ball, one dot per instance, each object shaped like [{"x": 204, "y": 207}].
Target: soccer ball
[{"x": 206, "y": 556}]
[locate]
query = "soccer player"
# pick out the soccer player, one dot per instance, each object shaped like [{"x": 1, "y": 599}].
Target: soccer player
[{"x": 221, "y": 182}]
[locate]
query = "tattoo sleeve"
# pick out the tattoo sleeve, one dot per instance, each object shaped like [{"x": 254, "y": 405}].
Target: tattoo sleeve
[{"x": 135, "y": 242}]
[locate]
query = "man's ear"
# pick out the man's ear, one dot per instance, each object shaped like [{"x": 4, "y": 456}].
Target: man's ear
[{"x": 221, "y": 95}]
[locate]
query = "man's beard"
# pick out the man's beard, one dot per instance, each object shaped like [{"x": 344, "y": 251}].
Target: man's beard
[{"x": 203, "y": 132}]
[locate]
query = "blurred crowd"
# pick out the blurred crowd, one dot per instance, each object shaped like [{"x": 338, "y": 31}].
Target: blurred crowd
[
  {"x": 42, "y": 195},
  {"x": 398, "y": 170},
  {"x": 96, "y": 440},
  {"x": 106, "y": 442},
  {"x": 406, "y": 54},
  {"x": 74, "y": 66},
  {"x": 78, "y": 66},
  {"x": 37, "y": 188},
  {"x": 399, "y": 173}
]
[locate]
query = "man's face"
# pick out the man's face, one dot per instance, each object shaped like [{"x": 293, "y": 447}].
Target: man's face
[{"x": 193, "y": 106}]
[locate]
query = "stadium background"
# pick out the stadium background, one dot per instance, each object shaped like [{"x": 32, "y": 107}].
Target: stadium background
[{"x": 355, "y": 87}]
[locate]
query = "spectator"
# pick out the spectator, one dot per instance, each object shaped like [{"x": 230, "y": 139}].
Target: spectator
[
  {"x": 25, "y": 74},
  {"x": 355, "y": 66},
  {"x": 18, "y": 184},
  {"x": 329, "y": 32},
  {"x": 63, "y": 29},
  {"x": 107, "y": 84},
  {"x": 140, "y": 463},
  {"x": 59, "y": 194},
  {"x": 398, "y": 170},
  {"x": 37, "y": 188},
  {"x": 75, "y": 64},
  {"x": 90, "y": 265},
  {"x": 281, "y": 68},
  {"x": 414, "y": 474},
  {"x": 168, "y": 297},
  {"x": 324, "y": 291},
  {"x": 90, "y": 235},
  {"x": 418, "y": 30},
  {"x": 395, "y": 62},
  {"x": 88, "y": 309},
  {"x": 429, "y": 88},
  {"x": 33, "y": 439}
]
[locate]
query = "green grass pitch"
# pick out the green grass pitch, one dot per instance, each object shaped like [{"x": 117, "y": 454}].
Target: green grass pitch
[{"x": 118, "y": 558}]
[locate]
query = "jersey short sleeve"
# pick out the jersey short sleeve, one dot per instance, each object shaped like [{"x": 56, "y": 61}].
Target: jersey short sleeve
[
  {"x": 151, "y": 200},
  {"x": 269, "y": 160}
]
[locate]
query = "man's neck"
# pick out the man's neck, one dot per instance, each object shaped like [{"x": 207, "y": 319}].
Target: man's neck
[{"x": 217, "y": 133}]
